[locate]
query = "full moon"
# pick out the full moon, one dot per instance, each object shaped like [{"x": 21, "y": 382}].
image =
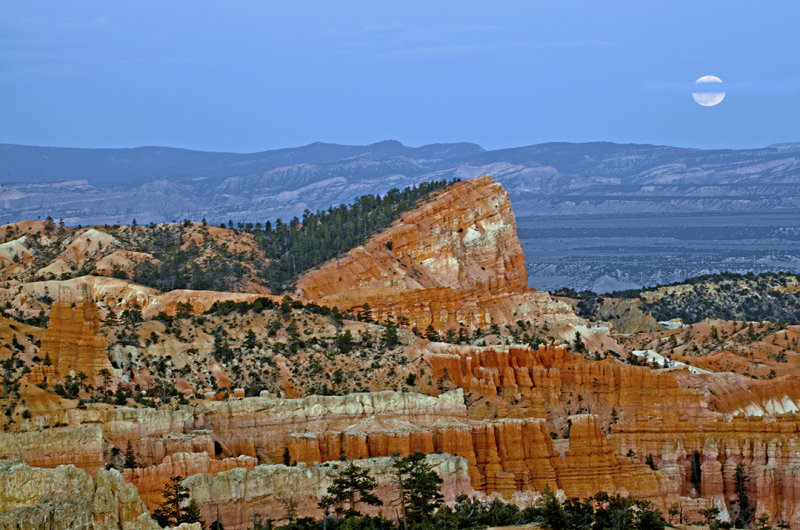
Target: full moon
[{"x": 706, "y": 95}]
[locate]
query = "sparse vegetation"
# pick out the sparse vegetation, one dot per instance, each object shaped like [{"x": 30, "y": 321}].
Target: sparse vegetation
[{"x": 773, "y": 296}]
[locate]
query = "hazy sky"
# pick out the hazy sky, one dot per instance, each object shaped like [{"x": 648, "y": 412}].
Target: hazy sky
[{"x": 247, "y": 76}]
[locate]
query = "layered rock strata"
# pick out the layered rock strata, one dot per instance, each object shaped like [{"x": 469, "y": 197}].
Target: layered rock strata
[
  {"x": 150, "y": 480},
  {"x": 81, "y": 446},
  {"x": 545, "y": 375},
  {"x": 453, "y": 261},
  {"x": 241, "y": 496},
  {"x": 769, "y": 449}
]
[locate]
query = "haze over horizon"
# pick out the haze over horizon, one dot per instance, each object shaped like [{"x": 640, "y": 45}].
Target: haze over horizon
[
  {"x": 391, "y": 140},
  {"x": 253, "y": 77}
]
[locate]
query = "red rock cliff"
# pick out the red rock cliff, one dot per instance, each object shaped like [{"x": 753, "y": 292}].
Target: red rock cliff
[{"x": 454, "y": 260}]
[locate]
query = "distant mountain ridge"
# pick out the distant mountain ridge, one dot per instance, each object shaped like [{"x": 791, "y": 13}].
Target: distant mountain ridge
[
  {"x": 32, "y": 164},
  {"x": 155, "y": 184}
]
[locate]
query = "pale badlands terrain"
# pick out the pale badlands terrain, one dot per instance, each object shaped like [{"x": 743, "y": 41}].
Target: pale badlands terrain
[{"x": 255, "y": 400}]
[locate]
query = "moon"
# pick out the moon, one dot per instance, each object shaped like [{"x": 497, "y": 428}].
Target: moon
[{"x": 706, "y": 95}]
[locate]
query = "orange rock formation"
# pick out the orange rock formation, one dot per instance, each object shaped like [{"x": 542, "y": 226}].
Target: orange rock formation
[
  {"x": 454, "y": 260},
  {"x": 81, "y": 446},
  {"x": 545, "y": 375},
  {"x": 150, "y": 480},
  {"x": 768, "y": 448},
  {"x": 73, "y": 341}
]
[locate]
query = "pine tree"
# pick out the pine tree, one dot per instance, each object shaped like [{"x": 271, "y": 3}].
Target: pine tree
[
  {"x": 551, "y": 510},
  {"x": 353, "y": 486},
  {"x": 711, "y": 515},
  {"x": 111, "y": 318},
  {"x": 366, "y": 313},
  {"x": 673, "y": 510},
  {"x": 250, "y": 340},
  {"x": 419, "y": 488},
  {"x": 431, "y": 334},
  {"x": 191, "y": 514},
  {"x": 745, "y": 511},
  {"x": 389, "y": 337},
  {"x": 344, "y": 341},
  {"x": 183, "y": 309},
  {"x": 762, "y": 523},
  {"x": 578, "y": 344},
  {"x": 171, "y": 511},
  {"x": 130, "y": 457}
]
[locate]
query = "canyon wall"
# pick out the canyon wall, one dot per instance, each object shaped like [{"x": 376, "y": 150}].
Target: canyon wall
[
  {"x": 150, "y": 480},
  {"x": 81, "y": 446},
  {"x": 769, "y": 449},
  {"x": 241, "y": 496},
  {"x": 552, "y": 375}
]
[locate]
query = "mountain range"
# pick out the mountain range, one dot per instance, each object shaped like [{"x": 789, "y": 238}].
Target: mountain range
[{"x": 160, "y": 184}]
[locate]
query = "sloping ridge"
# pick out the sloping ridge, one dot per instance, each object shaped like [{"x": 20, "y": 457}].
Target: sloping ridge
[{"x": 456, "y": 260}]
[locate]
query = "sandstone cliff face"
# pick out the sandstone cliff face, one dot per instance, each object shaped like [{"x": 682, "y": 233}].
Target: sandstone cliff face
[
  {"x": 240, "y": 495},
  {"x": 81, "y": 446},
  {"x": 768, "y": 447},
  {"x": 73, "y": 341},
  {"x": 454, "y": 260},
  {"x": 739, "y": 395},
  {"x": 264, "y": 427},
  {"x": 150, "y": 480},
  {"x": 547, "y": 376},
  {"x": 144, "y": 427},
  {"x": 68, "y": 498},
  {"x": 503, "y": 456}
]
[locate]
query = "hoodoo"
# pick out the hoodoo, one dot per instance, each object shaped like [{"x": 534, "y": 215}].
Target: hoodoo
[{"x": 73, "y": 341}]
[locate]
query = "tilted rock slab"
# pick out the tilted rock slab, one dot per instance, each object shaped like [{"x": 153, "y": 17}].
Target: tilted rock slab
[{"x": 454, "y": 260}]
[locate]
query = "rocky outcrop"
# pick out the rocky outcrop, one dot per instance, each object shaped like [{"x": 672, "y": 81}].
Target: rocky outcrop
[
  {"x": 73, "y": 341},
  {"x": 239, "y": 496},
  {"x": 545, "y": 376},
  {"x": 513, "y": 455},
  {"x": 767, "y": 447},
  {"x": 318, "y": 428},
  {"x": 590, "y": 465},
  {"x": 150, "y": 480},
  {"x": 67, "y": 497},
  {"x": 740, "y": 395},
  {"x": 453, "y": 261},
  {"x": 143, "y": 427},
  {"x": 81, "y": 446},
  {"x": 115, "y": 294},
  {"x": 154, "y": 449},
  {"x": 502, "y": 456}
]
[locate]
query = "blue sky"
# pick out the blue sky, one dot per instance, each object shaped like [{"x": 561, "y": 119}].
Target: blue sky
[{"x": 247, "y": 76}]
